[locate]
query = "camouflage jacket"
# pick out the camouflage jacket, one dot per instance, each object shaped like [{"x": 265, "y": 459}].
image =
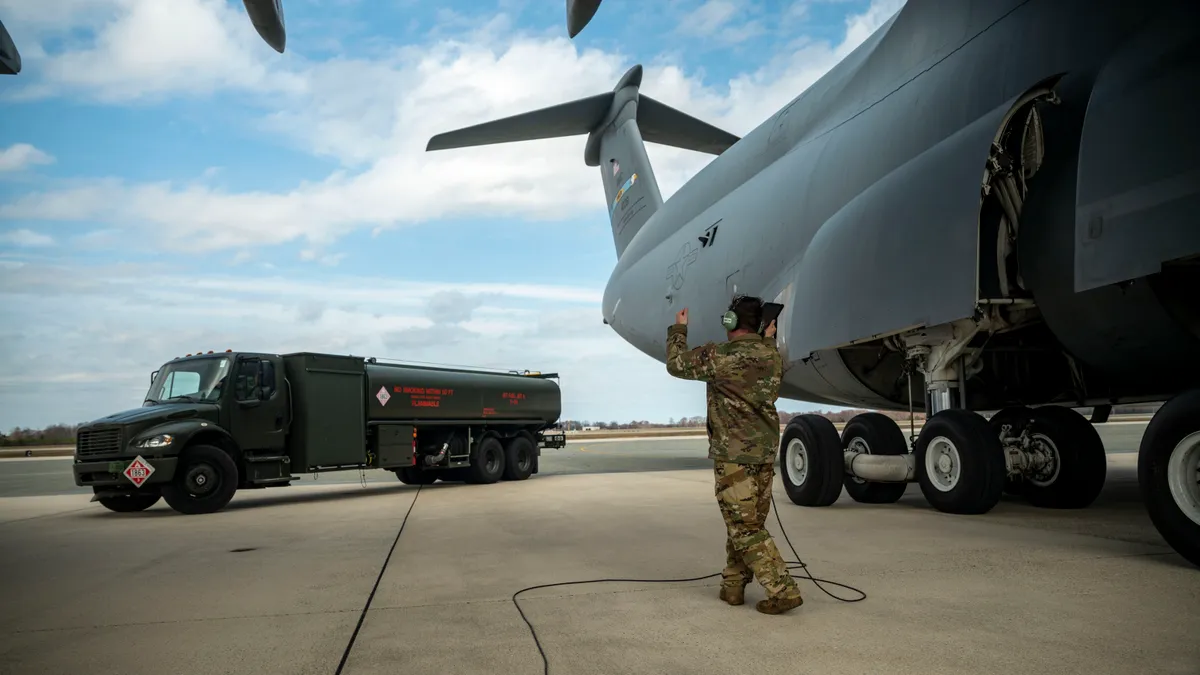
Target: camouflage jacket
[{"x": 743, "y": 377}]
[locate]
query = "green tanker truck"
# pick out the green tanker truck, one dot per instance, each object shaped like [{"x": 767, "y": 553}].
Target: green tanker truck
[{"x": 212, "y": 424}]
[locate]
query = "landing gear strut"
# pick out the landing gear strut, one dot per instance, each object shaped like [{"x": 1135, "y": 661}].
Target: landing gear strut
[{"x": 963, "y": 463}]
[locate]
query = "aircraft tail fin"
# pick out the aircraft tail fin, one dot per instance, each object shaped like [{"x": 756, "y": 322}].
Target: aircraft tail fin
[{"x": 617, "y": 123}]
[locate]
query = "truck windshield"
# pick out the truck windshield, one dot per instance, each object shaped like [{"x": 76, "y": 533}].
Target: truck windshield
[{"x": 196, "y": 380}]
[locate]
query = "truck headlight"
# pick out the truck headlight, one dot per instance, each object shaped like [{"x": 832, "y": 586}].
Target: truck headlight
[{"x": 159, "y": 441}]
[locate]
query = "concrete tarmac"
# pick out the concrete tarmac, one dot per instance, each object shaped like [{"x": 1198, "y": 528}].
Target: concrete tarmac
[{"x": 277, "y": 582}]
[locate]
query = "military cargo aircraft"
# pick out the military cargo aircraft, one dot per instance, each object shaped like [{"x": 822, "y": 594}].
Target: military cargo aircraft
[{"x": 989, "y": 205}]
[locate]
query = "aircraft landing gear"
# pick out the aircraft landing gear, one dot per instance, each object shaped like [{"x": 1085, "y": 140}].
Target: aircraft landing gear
[{"x": 1169, "y": 473}]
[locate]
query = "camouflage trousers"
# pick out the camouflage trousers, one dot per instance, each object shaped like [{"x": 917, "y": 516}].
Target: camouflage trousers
[{"x": 744, "y": 495}]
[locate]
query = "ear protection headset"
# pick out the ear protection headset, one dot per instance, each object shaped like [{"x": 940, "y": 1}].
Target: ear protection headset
[{"x": 729, "y": 320}]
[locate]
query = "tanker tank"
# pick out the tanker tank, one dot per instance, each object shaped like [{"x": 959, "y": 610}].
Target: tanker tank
[{"x": 408, "y": 393}]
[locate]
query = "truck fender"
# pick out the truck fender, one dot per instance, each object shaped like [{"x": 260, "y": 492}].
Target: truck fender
[{"x": 188, "y": 432}]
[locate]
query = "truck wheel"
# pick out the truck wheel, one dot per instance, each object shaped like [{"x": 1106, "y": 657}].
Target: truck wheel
[
  {"x": 129, "y": 503},
  {"x": 487, "y": 462},
  {"x": 518, "y": 459},
  {"x": 204, "y": 481}
]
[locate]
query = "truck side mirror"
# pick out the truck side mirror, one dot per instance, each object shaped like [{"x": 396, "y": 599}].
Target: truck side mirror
[{"x": 266, "y": 379}]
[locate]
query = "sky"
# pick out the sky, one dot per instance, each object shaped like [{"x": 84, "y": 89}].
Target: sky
[{"x": 170, "y": 184}]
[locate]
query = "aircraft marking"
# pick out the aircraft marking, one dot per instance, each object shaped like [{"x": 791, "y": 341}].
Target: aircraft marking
[
  {"x": 709, "y": 235},
  {"x": 677, "y": 272},
  {"x": 621, "y": 193}
]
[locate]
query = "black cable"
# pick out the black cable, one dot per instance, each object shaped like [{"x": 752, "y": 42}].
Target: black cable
[
  {"x": 800, "y": 564},
  {"x": 362, "y": 616},
  {"x": 797, "y": 564}
]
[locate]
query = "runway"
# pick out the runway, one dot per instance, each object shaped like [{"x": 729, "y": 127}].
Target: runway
[{"x": 278, "y": 581}]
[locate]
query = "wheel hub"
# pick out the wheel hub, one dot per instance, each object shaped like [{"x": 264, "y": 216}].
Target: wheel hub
[
  {"x": 797, "y": 462},
  {"x": 200, "y": 479},
  {"x": 1047, "y": 462},
  {"x": 859, "y": 446},
  {"x": 1183, "y": 476},
  {"x": 943, "y": 464}
]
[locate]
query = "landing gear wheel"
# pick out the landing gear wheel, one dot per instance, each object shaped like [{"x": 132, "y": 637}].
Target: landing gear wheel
[
  {"x": 205, "y": 480},
  {"x": 1077, "y": 464},
  {"x": 1169, "y": 473},
  {"x": 873, "y": 434},
  {"x": 960, "y": 463},
  {"x": 812, "y": 461},
  {"x": 129, "y": 503},
  {"x": 487, "y": 462},
  {"x": 411, "y": 475},
  {"x": 518, "y": 458},
  {"x": 1016, "y": 416}
]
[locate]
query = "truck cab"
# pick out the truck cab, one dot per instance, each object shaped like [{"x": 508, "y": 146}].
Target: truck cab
[{"x": 204, "y": 418}]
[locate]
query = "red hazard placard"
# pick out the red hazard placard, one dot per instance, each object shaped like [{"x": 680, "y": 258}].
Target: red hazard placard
[{"x": 138, "y": 471}]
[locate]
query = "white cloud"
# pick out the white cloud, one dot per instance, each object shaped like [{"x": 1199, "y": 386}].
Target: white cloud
[
  {"x": 379, "y": 115},
  {"x": 147, "y": 49},
  {"x": 80, "y": 342},
  {"x": 25, "y": 237},
  {"x": 21, "y": 155}
]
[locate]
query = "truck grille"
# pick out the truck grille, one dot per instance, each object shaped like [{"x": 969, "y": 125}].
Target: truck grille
[{"x": 95, "y": 442}]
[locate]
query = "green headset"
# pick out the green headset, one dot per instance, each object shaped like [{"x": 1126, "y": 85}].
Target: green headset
[{"x": 729, "y": 320}]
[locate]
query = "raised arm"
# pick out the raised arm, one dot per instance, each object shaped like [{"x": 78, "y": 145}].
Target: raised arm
[{"x": 696, "y": 364}]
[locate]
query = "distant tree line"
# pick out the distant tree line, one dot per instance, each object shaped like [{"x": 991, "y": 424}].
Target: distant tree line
[
  {"x": 55, "y": 434},
  {"x": 64, "y": 434}
]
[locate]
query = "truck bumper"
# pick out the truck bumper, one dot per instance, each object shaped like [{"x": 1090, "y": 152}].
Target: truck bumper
[{"x": 107, "y": 473}]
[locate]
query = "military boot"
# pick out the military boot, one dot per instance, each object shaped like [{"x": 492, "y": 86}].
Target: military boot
[
  {"x": 779, "y": 604},
  {"x": 734, "y": 595}
]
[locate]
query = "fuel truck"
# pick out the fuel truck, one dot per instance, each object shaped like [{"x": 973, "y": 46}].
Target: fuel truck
[{"x": 212, "y": 424}]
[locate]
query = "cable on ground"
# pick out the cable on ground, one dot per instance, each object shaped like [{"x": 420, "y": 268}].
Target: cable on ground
[
  {"x": 798, "y": 563},
  {"x": 363, "y": 615}
]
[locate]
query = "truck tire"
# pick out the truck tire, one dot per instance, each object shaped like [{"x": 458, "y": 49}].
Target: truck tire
[
  {"x": 487, "y": 462},
  {"x": 129, "y": 503},
  {"x": 204, "y": 481},
  {"x": 518, "y": 458}
]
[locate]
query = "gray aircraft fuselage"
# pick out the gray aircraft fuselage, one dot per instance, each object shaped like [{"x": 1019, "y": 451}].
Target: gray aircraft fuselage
[{"x": 858, "y": 205}]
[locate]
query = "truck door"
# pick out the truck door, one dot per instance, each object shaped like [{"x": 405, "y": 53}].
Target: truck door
[{"x": 258, "y": 415}]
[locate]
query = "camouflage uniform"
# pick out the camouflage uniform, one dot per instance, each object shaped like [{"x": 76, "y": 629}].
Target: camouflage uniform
[{"x": 743, "y": 377}]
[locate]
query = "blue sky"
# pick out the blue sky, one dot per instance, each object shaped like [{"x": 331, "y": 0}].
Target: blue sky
[{"x": 168, "y": 183}]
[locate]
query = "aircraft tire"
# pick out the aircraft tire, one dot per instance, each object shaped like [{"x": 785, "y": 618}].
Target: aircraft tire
[
  {"x": 205, "y": 480},
  {"x": 1169, "y": 473},
  {"x": 875, "y": 434},
  {"x": 960, "y": 463},
  {"x": 1082, "y": 464},
  {"x": 1012, "y": 415},
  {"x": 811, "y": 461}
]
